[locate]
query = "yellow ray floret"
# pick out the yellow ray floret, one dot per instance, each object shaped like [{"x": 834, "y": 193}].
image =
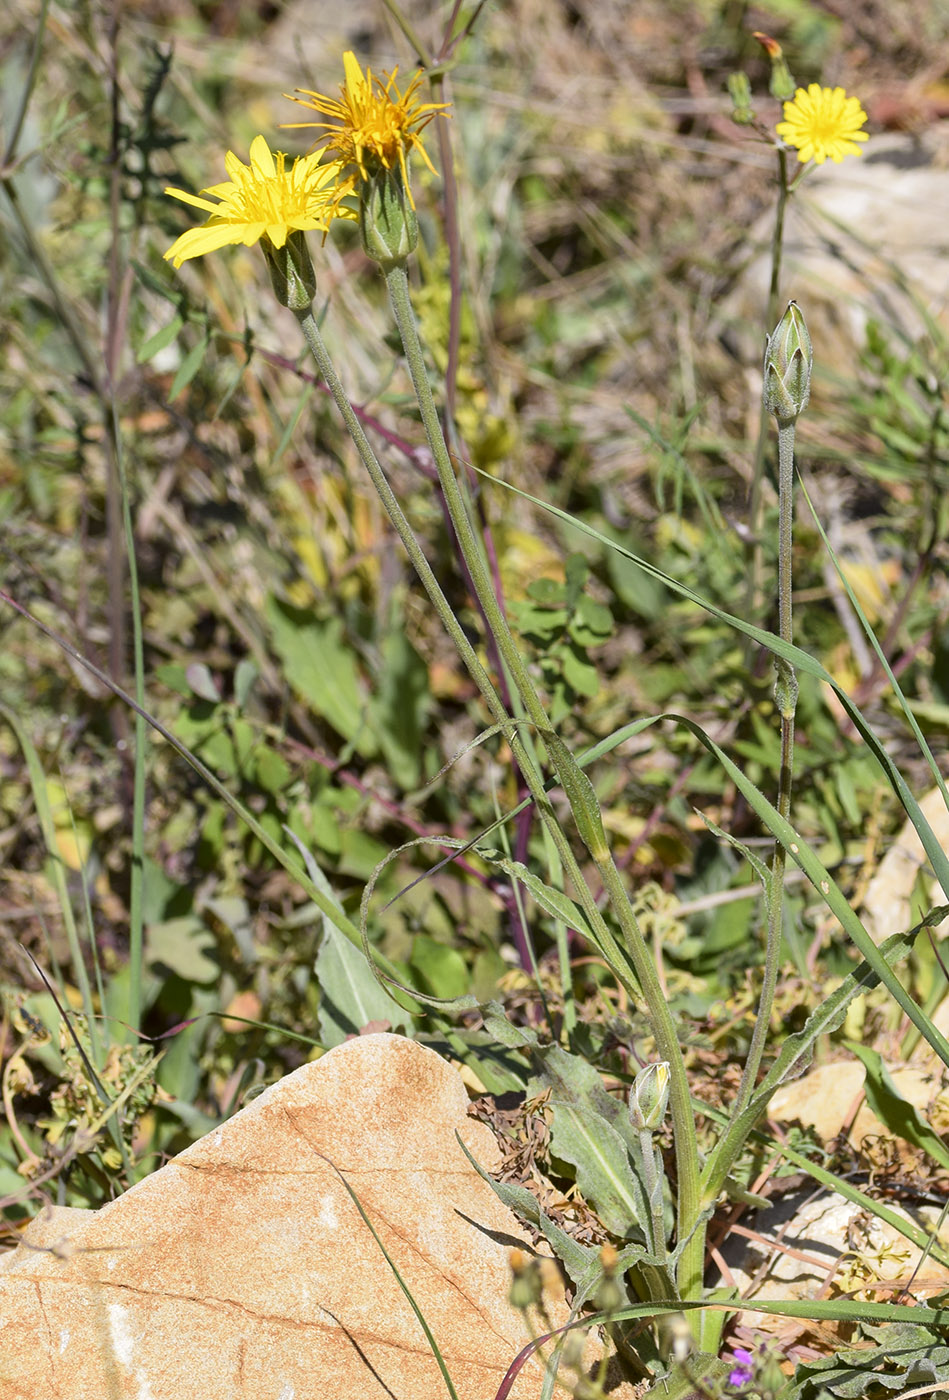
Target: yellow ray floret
[
  {"x": 822, "y": 122},
  {"x": 372, "y": 120},
  {"x": 263, "y": 199}
]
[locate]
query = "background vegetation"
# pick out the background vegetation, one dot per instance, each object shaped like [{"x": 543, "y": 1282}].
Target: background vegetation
[{"x": 610, "y": 340}]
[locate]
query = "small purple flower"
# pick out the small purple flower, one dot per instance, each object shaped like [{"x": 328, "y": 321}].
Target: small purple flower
[{"x": 744, "y": 1368}]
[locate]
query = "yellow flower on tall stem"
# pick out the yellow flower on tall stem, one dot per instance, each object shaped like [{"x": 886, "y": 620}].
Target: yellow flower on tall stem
[
  {"x": 822, "y": 122},
  {"x": 264, "y": 200},
  {"x": 374, "y": 125}
]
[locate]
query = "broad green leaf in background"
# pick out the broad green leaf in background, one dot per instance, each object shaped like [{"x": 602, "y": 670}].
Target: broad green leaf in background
[
  {"x": 350, "y": 996},
  {"x": 183, "y": 947},
  {"x": 441, "y": 969},
  {"x": 399, "y": 708},
  {"x": 322, "y": 670},
  {"x": 189, "y": 366},
  {"x": 159, "y": 340}
]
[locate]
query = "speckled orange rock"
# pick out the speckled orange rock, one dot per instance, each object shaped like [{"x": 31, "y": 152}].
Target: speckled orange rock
[{"x": 242, "y": 1269}]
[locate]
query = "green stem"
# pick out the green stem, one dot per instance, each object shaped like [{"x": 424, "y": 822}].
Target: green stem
[
  {"x": 755, "y": 552},
  {"x": 136, "y": 889},
  {"x": 395, "y": 513},
  {"x": 398, "y": 285},
  {"x": 532, "y": 774},
  {"x": 690, "y": 1267},
  {"x": 785, "y": 692},
  {"x": 652, "y": 1174}
]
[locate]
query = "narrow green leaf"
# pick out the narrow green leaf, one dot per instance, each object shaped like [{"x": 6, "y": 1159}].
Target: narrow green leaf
[
  {"x": 159, "y": 340},
  {"x": 581, "y": 1261},
  {"x": 552, "y": 901},
  {"x": 892, "y": 1109},
  {"x": 189, "y": 367},
  {"x": 429, "y": 1335},
  {"x": 441, "y": 969}
]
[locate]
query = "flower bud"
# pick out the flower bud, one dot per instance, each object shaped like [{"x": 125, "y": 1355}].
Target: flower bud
[
  {"x": 787, "y": 366},
  {"x": 739, "y": 90},
  {"x": 526, "y": 1287},
  {"x": 649, "y": 1097},
  {"x": 291, "y": 271},
  {"x": 387, "y": 219},
  {"x": 782, "y": 84}
]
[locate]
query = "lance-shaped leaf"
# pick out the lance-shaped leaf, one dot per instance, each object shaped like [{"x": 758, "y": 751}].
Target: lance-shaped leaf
[{"x": 586, "y": 1132}]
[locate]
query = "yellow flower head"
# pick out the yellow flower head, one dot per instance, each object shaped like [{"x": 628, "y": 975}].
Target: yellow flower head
[
  {"x": 374, "y": 124},
  {"x": 263, "y": 199},
  {"x": 823, "y": 122}
]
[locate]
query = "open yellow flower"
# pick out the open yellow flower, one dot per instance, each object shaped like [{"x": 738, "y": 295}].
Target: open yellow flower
[
  {"x": 822, "y": 122},
  {"x": 374, "y": 124},
  {"x": 263, "y": 199}
]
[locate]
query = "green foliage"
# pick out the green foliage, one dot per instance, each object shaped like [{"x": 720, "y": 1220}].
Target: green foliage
[
  {"x": 564, "y": 624},
  {"x": 886, "y": 1360},
  {"x": 288, "y": 649}
]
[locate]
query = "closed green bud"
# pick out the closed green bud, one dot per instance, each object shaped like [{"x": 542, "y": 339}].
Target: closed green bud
[
  {"x": 291, "y": 271},
  {"x": 526, "y": 1287},
  {"x": 782, "y": 84},
  {"x": 787, "y": 366},
  {"x": 610, "y": 1294},
  {"x": 649, "y": 1097},
  {"x": 770, "y": 1380},
  {"x": 739, "y": 90},
  {"x": 387, "y": 219}
]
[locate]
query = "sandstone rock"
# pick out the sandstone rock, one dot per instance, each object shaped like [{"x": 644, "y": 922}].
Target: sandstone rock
[
  {"x": 825, "y": 1246},
  {"x": 826, "y": 1097},
  {"x": 243, "y": 1271},
  {"x": 887, "y": 905}
]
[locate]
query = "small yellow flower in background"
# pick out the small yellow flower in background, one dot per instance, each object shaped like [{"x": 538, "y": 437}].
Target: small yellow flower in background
[
  {"x": 823, "y": 122},
  {"x": 263, "y": 199},
  {"x": 375, "y": 125}
]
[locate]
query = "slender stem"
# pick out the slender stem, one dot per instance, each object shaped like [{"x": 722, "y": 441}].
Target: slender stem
[
  {"x": 785, "y": 692},
  {"x": 653, "y": 1176},
  {"x": 690, "y": 1266},
  {"x": 137, "y": 882},
  {"x": 755, "y": 554},
  {"x": 528, "y": 766},
  {"x": 119, "y": 516},
  {"x": 395, "y": 513},
  {"x": 22, "y": 107},
  {"x": 472, "y": 553}
]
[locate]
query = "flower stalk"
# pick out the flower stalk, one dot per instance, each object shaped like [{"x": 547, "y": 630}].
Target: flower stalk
[
  {"x": 533, "y": 777},
  {"x": 787, "y": 386},
  {"x": 634, "y": 951}
]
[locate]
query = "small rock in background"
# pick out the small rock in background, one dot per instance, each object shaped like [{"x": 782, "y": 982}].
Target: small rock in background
[
  {"x": 887, "y": 906},
  {"x": 243, "y": 1270},
  {"x": 825, "y": 1099},
  {"x": 867, "y": 238},
  {"x": 808, "y": 1248},
  {"x": 821, "y": 1244}
]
